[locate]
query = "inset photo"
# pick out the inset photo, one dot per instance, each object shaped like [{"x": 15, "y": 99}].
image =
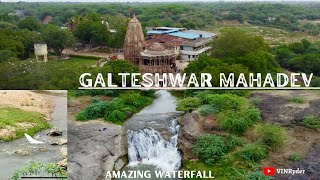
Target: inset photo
[{"x": 33, "y": 134}]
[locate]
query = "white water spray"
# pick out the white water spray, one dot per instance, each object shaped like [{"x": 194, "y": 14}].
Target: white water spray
[{"x": 148, "y": 147}]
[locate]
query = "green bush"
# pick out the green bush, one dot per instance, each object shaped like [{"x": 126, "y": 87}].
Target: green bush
[
  {"x": 93, "y": 111},
  {"x": 294, "y": 157},
  {"x": 232, "y": 141},
  {"x": 223, "y": 101},
  {"x": 95, "y": 92},
  {"x": 257, "y": 176},
  {"x": 271, "y": 135},
  {"x": 205, "y": 110},
  {"x": 115, "y": 116},
  {"x": 312, "y": 122},
  {"x": 253, "y": 152},
  {"x": 135, "y": 100},
  {"x": 188, "y": 104},
  {"x": 210, "y": 147},
  {"x": 238, "y": 123}
]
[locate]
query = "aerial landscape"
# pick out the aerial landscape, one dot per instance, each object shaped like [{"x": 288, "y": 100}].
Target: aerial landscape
[{"x": 233, "y": 134}]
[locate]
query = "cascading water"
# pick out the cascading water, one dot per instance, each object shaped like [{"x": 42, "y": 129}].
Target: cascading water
[{"x": 148, "y": 147}]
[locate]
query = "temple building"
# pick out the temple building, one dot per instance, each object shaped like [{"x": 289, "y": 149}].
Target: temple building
[
  {"x": 151, "y": 57},
  {"x": 157, "y": 59}
]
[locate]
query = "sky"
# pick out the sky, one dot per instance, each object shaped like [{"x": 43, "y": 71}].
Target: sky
[{"x": 152, "y": 0}]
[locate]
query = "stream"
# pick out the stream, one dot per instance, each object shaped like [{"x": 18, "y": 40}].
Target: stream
[
  {"x": 10, "y": 162},
  {"x": 153, "y": 136}
]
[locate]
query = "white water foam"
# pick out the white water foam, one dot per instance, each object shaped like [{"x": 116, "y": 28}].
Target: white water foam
[{"x": 148, "y": 147}]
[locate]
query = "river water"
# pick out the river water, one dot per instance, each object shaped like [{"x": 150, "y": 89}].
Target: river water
[
  {"x": 153, "y": 136},
  {"x": 9, "y": 161}
]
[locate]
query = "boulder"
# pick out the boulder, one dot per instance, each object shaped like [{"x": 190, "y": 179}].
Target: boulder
[
  {"x": 63, "y": 141},
  {"x": 43, "y": 149},
  {"x": 22, "y": 152},
  {"x": 54, "y": 132},
  {"x": 63, "y": 152}
]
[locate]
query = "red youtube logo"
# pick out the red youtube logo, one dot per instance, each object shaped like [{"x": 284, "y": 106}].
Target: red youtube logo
[{"x": 269, "y": 171}]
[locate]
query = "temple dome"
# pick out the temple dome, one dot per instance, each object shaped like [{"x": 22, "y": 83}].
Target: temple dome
[{"x": 156, "y": 49}]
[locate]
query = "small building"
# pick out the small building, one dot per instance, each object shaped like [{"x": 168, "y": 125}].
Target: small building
[
  {"x": 192, "y": 42},
  {"x": 157, "y": 59},
  {"x": 41, "y": 52}
]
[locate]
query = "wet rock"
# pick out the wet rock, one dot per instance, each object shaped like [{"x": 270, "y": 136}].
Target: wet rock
[
  {"x": 92, "y": 152},
  {"x": 63, "y": 152},
  {"x": 54, "y": 132},
  {"x": 43, "y": 149},
  {"x": 159, "y": 122},
  {"x": 22, "y": 152},
  {"x": 62, "y": 141},
  {"x": 120, "y": 163}
]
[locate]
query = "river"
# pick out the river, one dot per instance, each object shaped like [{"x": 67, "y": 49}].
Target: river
[{"x": 10, "y": 162}]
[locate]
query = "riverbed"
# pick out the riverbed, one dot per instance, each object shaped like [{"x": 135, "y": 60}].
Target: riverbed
[{"x": 10, "y": 161}]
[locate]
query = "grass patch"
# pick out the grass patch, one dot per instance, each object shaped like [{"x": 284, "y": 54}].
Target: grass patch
[
  {"x": 253, "y": 152},
  {"x": 81, "y": 60},
  {"x": 22, "y": 122},
  {"x": 294, "y": 157},
  {"x": 271, "y": 135},
  {"x": 312, "y": 122},
  {"x": 296, "y": 99},
  {"x": 212, "y": 147}
]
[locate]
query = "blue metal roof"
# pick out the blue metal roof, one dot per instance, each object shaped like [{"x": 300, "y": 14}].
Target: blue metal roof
[{"x": 178, "y": 33}]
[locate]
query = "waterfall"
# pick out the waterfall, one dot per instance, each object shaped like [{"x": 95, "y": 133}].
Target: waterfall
[{"x": 148, "y": 147}]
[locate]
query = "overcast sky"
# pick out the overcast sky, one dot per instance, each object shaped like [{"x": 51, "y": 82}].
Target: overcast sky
[{"x": 148, "y": 0}]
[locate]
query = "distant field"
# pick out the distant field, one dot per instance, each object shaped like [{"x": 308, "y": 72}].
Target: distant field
[{"x": 273, "y": 36}]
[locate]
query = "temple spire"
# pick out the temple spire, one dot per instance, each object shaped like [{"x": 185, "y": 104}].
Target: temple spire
[{"x": 134, "y": 41}]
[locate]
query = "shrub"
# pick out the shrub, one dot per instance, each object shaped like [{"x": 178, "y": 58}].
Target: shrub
[
  {"x": 296, "y": 99},
  {"x": 312, "y": 122},
  {"x": 253, "y": 152},
  {"x": 93, "y": 111},
  {"x": 205, "y": 110},
  {"x": 257, "y": 176},
  {"x": 232, "y": 141},
  {"x": 210, "y": 147},
  {"x": 233, "y": 123},
  {"x": 271, "y": 135},
  {"x": 255, "y": 100},
  {"x": 294, "y": 157},
  {"x": 115, "y": 116},
  {"x": 223, "y": 101},
  {"x": 95, "y": 92},
  {"x": 238, "y": 123},
  {"x": 135, "y": 99},
  {"x": 188, "y": 104}
]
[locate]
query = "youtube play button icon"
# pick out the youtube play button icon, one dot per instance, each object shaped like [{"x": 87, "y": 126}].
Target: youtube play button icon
[{"x": 269, "y": 171}]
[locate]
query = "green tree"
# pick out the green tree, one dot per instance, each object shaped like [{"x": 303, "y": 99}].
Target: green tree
[
  {"x": 30, "y": 23},
  {"x": 235, "y": 42},
  {"x": 57, "y": 38},
  {"x": 92, "y": 32}
]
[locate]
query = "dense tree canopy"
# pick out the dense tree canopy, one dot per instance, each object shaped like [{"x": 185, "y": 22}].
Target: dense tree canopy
[{"x": 57, "y": 38}]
